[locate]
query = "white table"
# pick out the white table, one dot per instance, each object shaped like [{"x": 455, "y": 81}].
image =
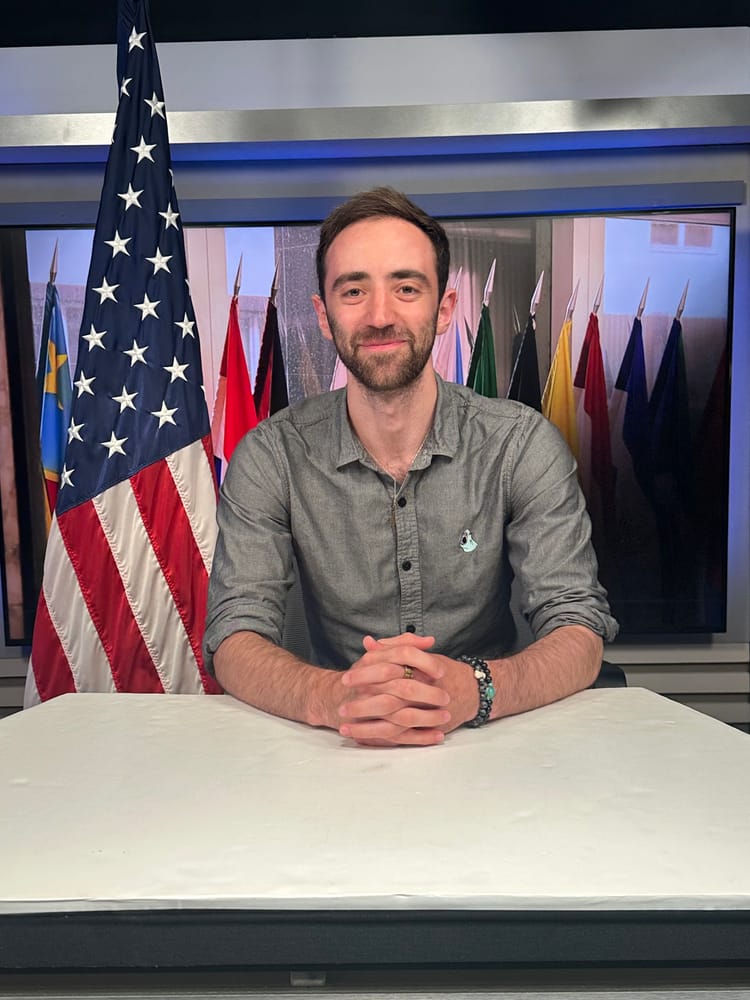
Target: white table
[{"x": 146, "y": 830}]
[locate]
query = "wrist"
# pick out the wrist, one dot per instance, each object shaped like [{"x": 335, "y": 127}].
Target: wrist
[
  {"x": 325, "y": 698},
  {"x": 485, "y": 689}
]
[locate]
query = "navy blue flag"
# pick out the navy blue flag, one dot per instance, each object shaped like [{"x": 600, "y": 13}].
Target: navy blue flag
[
  {"x": 130, "y": 547},
  {"x": 673, "y": 484},
  {"x": 636, "y": 423},
  {"x": 669, "y": 412},
  {"x": 524, "y": 379}
]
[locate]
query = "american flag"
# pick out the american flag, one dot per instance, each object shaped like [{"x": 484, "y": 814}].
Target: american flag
[{"x": 126, "y": 570}]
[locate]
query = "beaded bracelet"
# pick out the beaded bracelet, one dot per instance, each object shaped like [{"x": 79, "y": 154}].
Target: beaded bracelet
[{"x": 486, "y": 689}]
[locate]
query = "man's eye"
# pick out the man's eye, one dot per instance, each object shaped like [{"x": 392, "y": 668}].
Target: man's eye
[
  {"x": 352, "y": 293},
  {"x": 408, "y": 290}
]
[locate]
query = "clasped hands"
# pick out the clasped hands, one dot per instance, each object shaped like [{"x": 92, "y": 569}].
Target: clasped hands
[{"x": 383, "y": 706}]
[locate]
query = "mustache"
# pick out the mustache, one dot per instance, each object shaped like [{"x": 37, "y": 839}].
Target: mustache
[{"x": 381, "y": 335}]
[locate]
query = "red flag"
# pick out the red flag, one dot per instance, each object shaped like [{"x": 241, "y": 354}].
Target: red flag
[
  {"x": 234, "y": 410},
  {"x": 590, "y": 377},
  {"x": 595, "y": 450},
  {"x": 270, "y": 381},
  {"x": 123, "y": 598}
]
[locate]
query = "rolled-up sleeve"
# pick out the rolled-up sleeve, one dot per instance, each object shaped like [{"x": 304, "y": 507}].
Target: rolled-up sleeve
[
  {"x": 252, "y": 566},
  {"x": 549, "y": 536}
]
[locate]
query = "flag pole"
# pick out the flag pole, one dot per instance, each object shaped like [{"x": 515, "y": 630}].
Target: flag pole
[
  {"x": 681, "y": 306},
  {"x": 516, "y": 321},
  {"x": 489, "y": 284},
  {"x": 536, "y": 297},
  {"x": 598, "y": 297},
  {"x": 570, "y": 308},
  {"x": 53, "y": 265},
  {"x": 238, "y": 278},
  {"x": 642, "y": 303}
]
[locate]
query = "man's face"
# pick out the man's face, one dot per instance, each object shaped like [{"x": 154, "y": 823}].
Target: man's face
[{"x": 381, "y": 302}]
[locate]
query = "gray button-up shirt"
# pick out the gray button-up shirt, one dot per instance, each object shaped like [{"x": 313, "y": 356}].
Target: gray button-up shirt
[{"x": 492, "y": 494}]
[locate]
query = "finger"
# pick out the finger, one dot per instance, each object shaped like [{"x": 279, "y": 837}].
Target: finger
[
  {"x": 407, "y": 690},
  {"x": 372, "y": 668},
  {"x": 377, "y": 706},
  {"x": 381, "y": 705},
  {"x": 412, "y": 717},
  {"x": 381, "y": 732},
  {"x": 434, "y": 739},
  {"x": 387, "y": 663},
  {"x": 406, "y": 638}
]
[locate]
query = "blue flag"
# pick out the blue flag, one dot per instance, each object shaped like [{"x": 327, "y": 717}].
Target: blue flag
[
  {"x": 459, "y": 357},
  {"x": 56, "y": 393},
  {"x": 669, "y": 412},
  {"x": 636, "y": 423}
]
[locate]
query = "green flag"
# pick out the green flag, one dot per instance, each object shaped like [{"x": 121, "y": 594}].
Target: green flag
[{"x": 482, "y": 377}]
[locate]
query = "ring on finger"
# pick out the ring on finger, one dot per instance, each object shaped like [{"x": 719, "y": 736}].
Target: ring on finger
[{"x": 408, "y": 672}]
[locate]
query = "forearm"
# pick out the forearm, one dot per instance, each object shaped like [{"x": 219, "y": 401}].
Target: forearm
[
  {"x": 257, "y": 671},
  {"x": 561, "y": 663}
]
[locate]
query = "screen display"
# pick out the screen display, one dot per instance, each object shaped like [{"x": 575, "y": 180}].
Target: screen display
[{"x": 628, "y": 319}]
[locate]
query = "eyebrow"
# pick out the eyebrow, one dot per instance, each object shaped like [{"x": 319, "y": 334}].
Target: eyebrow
[
  {"x": 400, "y": 275},
  {"x": 348, "y": 276}
]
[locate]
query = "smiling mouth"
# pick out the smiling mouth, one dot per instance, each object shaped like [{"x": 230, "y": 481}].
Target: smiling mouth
[{"x": 381, "y": 345}]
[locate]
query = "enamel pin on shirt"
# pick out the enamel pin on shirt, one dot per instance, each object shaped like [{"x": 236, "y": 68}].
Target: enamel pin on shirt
[{"x": 467, "y": 542}]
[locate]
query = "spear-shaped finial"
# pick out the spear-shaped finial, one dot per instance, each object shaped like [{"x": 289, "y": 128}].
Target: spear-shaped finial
[
  {"x": 274, "y": 284},
  {"x": 53, "y": 265},
  {"x": 457, "y": 279},
  {"x": 489, "y": 285},
  {"x": 642, "y": 303},
  {"x": 681, "y": 306},
  {"x": 535, "y": 298},
  {"x": 570, "y": 308},
  {"x": 598, "y": 297},
  {"x": 238, "y": 278}
]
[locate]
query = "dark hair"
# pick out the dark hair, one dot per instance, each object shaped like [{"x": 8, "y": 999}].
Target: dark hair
[{"x": 383, "y": 202}]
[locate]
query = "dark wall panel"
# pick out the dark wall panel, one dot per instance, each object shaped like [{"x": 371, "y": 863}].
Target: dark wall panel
[{"x": 49, "y": 22}]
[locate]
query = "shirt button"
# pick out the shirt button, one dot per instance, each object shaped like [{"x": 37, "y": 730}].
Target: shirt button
[
  {"x": 411, "y": 628},
  {"x": 401, "y": 501},
  {"x": 406, "y": 564}
]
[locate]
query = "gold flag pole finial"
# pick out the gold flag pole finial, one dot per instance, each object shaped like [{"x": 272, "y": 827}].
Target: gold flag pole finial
[
  {"x": 598, "y": 297},
  {"x": 536, "y": 297},
  {"x": 570, "y": 308},
  {"x": 274, "y": 284},
  {"x": 457, "y": 279},
  {"x": 681, "y": 306},
  {"x": 490, "y": 284},
  {"x": 238, "y": 278},
  {"x": 642, "y": 303},
  {"x": 53, "y": 265}
]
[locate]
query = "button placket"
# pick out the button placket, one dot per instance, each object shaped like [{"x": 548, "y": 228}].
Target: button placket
[{"x": 407, "y": 558}]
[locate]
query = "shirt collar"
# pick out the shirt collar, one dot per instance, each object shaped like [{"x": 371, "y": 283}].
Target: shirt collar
[{"x": 442, "y": 439}]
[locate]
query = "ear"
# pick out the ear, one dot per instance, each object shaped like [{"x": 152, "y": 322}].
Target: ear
[
  {"x": 320, "y": 311},
  {"x": 445, "y": 311}
]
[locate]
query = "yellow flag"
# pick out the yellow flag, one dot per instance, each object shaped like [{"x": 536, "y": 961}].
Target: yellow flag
[{"x": 558, "y": 403}]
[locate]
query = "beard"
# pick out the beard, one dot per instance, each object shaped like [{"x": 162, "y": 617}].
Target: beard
[{"x": 387, "y": 372}]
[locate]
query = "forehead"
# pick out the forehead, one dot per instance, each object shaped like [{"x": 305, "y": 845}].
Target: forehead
[{"x": 380, "y": 246}]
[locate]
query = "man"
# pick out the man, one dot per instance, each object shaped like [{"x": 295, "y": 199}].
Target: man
[{"x": 409, "y": 504}]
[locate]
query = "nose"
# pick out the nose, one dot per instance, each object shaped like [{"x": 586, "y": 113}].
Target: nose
[{"x": 380, "y": 312}]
